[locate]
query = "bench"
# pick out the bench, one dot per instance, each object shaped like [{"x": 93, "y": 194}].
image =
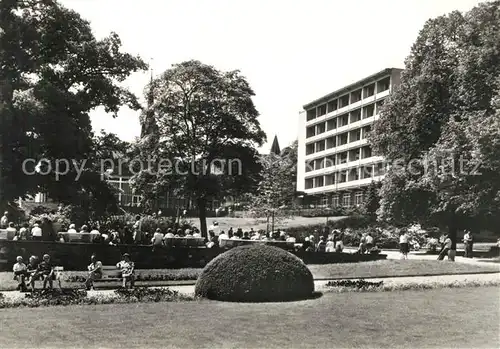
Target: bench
[
  {"x": 58, "y": 270},
  {"x": 110, "y": 273},
  {"x": 77, "y": 237},
  {"x": 230, "y": 243},
  {"x": 184, "y": 242},
  {"x": 7, "y": 234}
]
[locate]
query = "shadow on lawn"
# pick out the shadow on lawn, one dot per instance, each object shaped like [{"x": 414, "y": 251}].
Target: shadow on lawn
[{"x": 314, "y": 295}]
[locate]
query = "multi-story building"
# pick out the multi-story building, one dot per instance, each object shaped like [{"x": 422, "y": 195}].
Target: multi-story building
[{"x": 335, "y": 160}]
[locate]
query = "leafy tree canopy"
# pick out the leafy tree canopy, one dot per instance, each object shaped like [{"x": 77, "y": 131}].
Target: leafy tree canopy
[
  {"x": 200, "y": 137},
  {"x": 53, "y": 73},
  {"x": 442, "y": 122}
]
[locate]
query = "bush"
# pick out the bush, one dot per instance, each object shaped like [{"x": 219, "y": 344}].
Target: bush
[
  {"x": 257, "y": 273},
  {"x": 56, "y": 297},
  {"x": 150, "y": 224},
  {"x": 354, "y": 221},
  {"x": 64, "y": 297},
  {"x": 299, "y": 233},
  {"x": 40, "y": 210},
  {"x": 144, "y": 294},
  {"x": 357, "y": 284},
  {"x": 56, "y": 220}
]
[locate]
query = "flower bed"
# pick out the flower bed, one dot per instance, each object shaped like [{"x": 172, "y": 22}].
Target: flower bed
[
  {"x": 65, "y": 297},
  {"x": 341, "y": 286},
  {"x": 357, "y": 284}
]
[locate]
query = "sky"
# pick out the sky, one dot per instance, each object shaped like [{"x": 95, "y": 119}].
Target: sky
[{"x": 291, "y": 52}]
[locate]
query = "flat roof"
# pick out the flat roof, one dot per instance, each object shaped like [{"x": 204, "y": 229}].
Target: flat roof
[{"x": 350, "y": 87}]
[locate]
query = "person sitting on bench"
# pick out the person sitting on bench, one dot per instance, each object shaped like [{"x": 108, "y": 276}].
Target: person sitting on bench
[
  {"x": 95, "y": 272},
  {"x": 127, "y": 268},
  {"x": 32, "y": 270},
  {"x": 20, "y": 271},
  {"x": 46, "y": 271}
]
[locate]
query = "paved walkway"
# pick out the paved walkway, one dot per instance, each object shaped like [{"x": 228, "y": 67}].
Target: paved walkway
[
  {"x": 423, "y": 256},
  {"x": 320, "y": 285}
]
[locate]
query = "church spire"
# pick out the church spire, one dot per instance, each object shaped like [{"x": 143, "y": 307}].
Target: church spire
[
  {"x": 148, "y": 122},
  {"x": 275, "y": 148}
]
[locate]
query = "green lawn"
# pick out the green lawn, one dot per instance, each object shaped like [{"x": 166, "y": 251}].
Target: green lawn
[
  {"x": 260, "y": 223},
  {"x": 411, "y": 319},
  {"x": 383, "y": 268}
]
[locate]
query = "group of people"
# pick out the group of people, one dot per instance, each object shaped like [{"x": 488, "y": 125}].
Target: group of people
[
  {"x": 27, "y": 274},
  {"x": 95, "y": 272},
  {"x": 24, "y": 233},
  {"x": 333, "y": 242},
  {"x": 33, "y": 271},
  {"x": 446, "y": 244},
  {"x": 445, "y": 241},
  {"x": 239, "y": 234},
  {"x": 366, "y": 243}
]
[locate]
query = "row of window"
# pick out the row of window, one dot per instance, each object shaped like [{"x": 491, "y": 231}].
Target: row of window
[
  {"x": 349, "y": 98},
  {"x": 344, "y": 176},
  {"x": 345, "y": 119},
  {"x": 338, "y": 140},
  {"x": 339, "y": 158},
  {"x": 345, "y": 200}
]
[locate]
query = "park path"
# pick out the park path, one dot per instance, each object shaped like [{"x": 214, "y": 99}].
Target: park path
[
  {"x": 422, "y": 256},
  {"x": 320, "y": 285}
]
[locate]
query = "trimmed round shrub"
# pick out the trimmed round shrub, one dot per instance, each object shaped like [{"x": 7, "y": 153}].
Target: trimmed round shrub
[{"x": 255, "y": 273}]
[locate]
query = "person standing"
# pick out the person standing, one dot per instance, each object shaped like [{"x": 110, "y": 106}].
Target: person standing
[
  {"x": 404, "y": 247},
  {"x": 446, "y": 247},
  {"x": 468, "y": 241},
  {"x": 369, "y": 242},
  {"x": 137, "y": 236}
]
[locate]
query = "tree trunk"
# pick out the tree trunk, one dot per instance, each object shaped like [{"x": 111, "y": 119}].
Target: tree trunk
[
  {"x": 452, "y": 234},
  {"x": 202, "y": 213},
  {"x": 272, "y": 224},
  {"x": 4, "y": 114}
]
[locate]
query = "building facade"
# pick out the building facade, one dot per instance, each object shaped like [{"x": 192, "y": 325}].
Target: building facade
[{"x": 335, "y": 161}]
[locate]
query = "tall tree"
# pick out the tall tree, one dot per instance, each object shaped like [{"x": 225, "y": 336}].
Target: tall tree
[
  {"x": 203, "y": 138},
  {"x": 372, "y": 202},
  {"x": 277, "y": 187},
  {"x": 442, "y": 122},
  {"x": 53, "y": 73}
]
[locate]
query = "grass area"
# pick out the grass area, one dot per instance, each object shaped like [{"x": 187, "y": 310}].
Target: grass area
[
  {"x": 395, "y": 267},
  {"x": 383, "y": 268},
  {"x": 432, "y": 318},
  {"x": 260, "y": 223}
]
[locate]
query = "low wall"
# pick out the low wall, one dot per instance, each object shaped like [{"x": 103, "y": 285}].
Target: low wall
[{"x": 76, "y": 256}]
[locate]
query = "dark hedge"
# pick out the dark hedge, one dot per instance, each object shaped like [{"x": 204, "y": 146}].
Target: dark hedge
[{"x": 258, "y": 273}]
